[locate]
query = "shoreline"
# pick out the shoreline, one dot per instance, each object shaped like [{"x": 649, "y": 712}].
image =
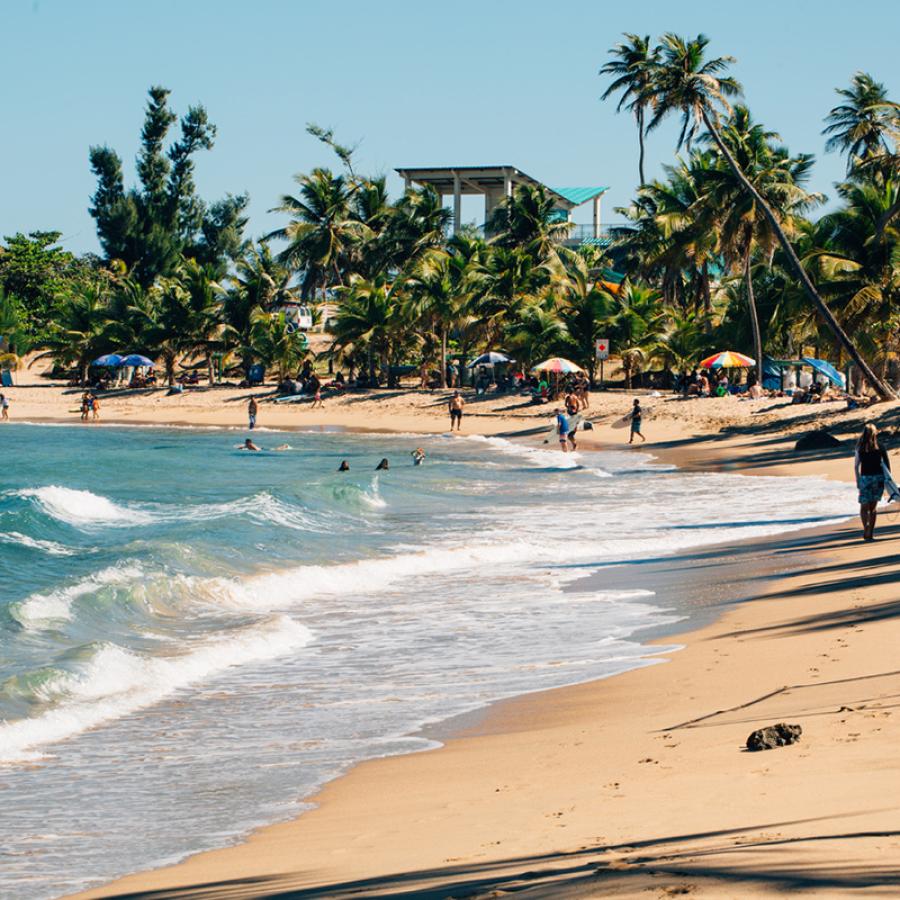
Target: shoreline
[{"x": 269, "y": 852}]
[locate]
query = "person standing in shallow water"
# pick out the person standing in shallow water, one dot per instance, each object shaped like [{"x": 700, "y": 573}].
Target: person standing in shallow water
[
  {"x": 869, "y": 463},
  {"x": 456, "y": 410}
]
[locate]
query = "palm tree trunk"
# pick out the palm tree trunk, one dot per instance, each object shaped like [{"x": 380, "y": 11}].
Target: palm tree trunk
[
  {"x": 209, "y": 369},
  {"x": 883, "y": 391},
  {"x": 754, "y": 317},
  {"x": 443, "y": 355},
  {"x": 640, "y": 125}
]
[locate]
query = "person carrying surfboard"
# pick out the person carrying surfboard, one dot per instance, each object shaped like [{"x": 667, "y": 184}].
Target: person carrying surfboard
[{"x": 635, "y": 416}]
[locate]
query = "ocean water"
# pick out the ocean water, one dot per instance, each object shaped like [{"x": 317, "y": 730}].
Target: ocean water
[{"x": 194, "y": 638}]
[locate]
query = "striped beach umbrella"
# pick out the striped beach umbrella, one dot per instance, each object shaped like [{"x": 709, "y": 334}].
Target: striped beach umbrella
[
  {"x": 727, "y": 359},
  {"x": 557, "y": 364}
]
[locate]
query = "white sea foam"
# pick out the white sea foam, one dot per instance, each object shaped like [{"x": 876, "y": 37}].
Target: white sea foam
[
  {"x": 42, "y": 610},
  {"x": 83, "y": 508},
  {"x": 23, "y": 540},
  {"x": 86, "y": 509},
  {"x": 537, "y": 456},
  {"x": 115, "y": 682}
]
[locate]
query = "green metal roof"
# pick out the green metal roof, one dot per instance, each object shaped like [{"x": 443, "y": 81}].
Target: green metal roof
[{"x": 579, "y": 195}]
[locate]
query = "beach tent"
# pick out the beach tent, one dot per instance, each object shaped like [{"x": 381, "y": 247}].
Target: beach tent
[
  {"x": 827, "y": 369},
  {"x": 773, "y": 373}
]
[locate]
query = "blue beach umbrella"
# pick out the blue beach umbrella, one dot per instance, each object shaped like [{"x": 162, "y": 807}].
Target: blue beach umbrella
[
  {"x": 110, "y": 359},
  {"x": 136, "y": 361}
]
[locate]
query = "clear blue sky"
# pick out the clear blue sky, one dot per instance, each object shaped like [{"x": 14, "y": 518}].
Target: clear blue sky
[{"x": 417, "y": 82}]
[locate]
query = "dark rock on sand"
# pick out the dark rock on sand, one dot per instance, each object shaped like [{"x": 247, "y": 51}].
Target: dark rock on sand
[
  {"x": 817, "y": 440},
  {"x": 779, "y": 735}
]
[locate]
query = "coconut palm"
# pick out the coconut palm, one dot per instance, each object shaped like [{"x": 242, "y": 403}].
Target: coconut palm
[
  {"x": 637, "y": 323},
  {"x": 78, "y": 335},
  {"x": 274, "y": 344},
  {"x": 686, "y": 81},
  {"x": 539, "y": 332},
  {"x": 743, "y": 227},
  {"x": 322, "y": 230},
  {"x": 529, "y": 220},
  {"x": 632, "y": 70},
  {"x": 859, "y": 125}
]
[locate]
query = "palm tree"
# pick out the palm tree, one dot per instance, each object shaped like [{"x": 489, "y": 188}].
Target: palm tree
[
  {"x": 685, "y": 81},
  {"x": 79, "y": 333},
  {"x": 859, "y": 125},
  {"x": 632, "y": 70},
  {"x": 858, "y": 267},
  {"x": 203, "y": 326},
  {"x": 13, "y": 339},
  {"x": 529, "y": 220},
  {"x": 636, "y": 326},
  {"x": 322, "y": 230},
  {"x": 538, "y": 332},
  {"x": 584, "y": 310},
  {"x": 741, "y": 223},
  {"x": 274, "y": 344}
]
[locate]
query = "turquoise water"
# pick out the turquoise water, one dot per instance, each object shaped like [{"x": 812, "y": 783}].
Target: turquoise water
[{"x": 194, "y": 638}]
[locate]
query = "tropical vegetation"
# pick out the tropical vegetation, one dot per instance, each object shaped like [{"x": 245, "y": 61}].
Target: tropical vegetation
[{"x": 727, "y": 247}]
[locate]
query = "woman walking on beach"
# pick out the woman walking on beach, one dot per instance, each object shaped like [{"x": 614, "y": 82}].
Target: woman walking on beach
[{"x": 869, "y": 464}]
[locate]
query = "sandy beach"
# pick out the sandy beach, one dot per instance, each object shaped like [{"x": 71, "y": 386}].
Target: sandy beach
[{"x": 637, "y": 785}]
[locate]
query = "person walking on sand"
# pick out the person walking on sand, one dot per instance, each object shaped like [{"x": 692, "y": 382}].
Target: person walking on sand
[
  {"x": 95, "y": 408},
  {"x": 456, "y": 410},
  {"x": 4, "y": 407},
  {"x": 252, "y": 410},
  {"x": 562, "y": 429},
  {"x": 636, "y": 415},
  {"x": 869, "y": 463},
  {"x": 317, "y": 399}
]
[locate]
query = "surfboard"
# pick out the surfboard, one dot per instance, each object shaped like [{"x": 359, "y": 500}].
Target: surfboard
[
  {"x": 890, "y": 486},
  {"x": 624, "y": 422}
]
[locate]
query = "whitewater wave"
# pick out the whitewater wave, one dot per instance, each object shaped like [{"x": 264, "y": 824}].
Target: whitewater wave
[
  {"x": 81, "y": 508},
  {"x": 545, "y": 459},
  {"x": 84, "y": 509},
  {"x": 114, "y": 682},
  {"x": 23, "y": 540},
  {"x": 42, "y": 610}
]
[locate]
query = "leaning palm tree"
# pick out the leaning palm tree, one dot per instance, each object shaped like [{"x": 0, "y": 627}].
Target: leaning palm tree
[
  {"x": 686, "y": 81},
  {"x": 743, "y": 228},
  {"x": 632, "y": 70},
  {"x": 858, "y": 126}
]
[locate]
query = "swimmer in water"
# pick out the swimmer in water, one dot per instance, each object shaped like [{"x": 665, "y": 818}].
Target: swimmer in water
[
  {"x": 249, "y": 445},
  {"x": 344, "y": 466},
  {"x": 382, "y": 465},
  {"x": 418, "y": 456}
]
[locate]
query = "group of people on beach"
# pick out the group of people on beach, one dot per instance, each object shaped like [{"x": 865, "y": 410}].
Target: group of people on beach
[{"x": 90, "y": 407}]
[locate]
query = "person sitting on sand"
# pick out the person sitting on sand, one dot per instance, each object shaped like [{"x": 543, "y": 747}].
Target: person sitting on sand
[
  {"x": 418, "y": 456},
  {"x": 869, "y": 463},
  {"x": 636, "y": 415},
  {"x": 249, "y": 445},
  {"x": 703, "y": 384},
  {"x": 344, "y": 466},
  {"x": 382, "y": 466},
  {"x": 754, "y": 392}
]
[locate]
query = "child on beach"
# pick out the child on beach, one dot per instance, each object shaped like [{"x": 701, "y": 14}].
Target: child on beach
[
  {"x": 317, "y": 400},
  {"x": 636, "y": 415},
  {"x": 4, "y": 407}
]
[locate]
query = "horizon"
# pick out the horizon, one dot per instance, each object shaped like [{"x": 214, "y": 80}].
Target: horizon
[{"x": 546, "y": 120}]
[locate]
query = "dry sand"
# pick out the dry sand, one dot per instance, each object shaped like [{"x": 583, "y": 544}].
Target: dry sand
[{"x": 637, "y": 785}]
